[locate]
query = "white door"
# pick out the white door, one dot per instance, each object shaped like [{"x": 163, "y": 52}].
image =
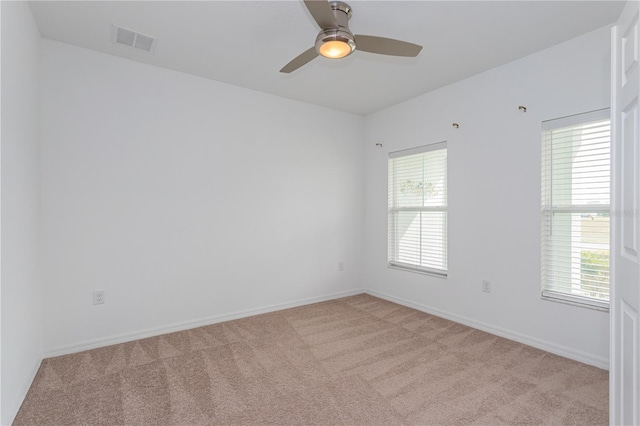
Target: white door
[{"x": 625, "y": 299}]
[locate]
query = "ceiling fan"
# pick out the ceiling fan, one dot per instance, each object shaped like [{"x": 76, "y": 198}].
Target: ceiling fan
[{"x": 335, "y": 40}]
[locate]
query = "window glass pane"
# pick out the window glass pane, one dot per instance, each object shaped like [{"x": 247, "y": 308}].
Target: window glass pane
[
  {"x": 580, "y": 164},
  {"x": 421, "y": 238},
  {"x": 420, "y": 179},
  {"x": 434, "y": 240},
  {"x": 579, "y": 254}
]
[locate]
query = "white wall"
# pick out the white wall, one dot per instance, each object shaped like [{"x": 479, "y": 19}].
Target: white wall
[
  {"x": 21, "y": 309},
  {"x": 494, "y": 194},
  {"x": 186, "y": 199}
]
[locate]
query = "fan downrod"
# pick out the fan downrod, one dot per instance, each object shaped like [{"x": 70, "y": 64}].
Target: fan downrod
[{"x": 343, "y": 13}]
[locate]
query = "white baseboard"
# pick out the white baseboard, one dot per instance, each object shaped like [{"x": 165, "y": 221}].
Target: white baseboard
[
  {"x": 24, "y": 389},
  {"x": 156, "y": 331},
  {"x": 553, "y": 348},
  {"x": 564, "y": 351}
]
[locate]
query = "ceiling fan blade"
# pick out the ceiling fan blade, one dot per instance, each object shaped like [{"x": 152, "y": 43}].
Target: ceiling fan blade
[
  {"x": 386, "y": 46},
  {"x": 322, "y": 13},
  {"x": 300, "y": 60}
]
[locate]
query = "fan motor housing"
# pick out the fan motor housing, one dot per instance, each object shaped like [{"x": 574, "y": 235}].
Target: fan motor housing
[
  {"x": 341, "y": 33},
  {"x": 335, "y": 34}
]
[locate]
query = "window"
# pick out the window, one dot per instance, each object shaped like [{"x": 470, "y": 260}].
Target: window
[
  {"x": 575, "y": 208},
  {"x": 418, "y": 209}
]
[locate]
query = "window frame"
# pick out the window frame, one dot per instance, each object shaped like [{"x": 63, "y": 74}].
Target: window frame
[
  {"x": 549, "y": 209},
  {"x": 393, "y": 209}
]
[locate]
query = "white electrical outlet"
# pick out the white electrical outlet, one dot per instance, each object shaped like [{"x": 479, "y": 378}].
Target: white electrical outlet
[
  {"x": 340, "y": 266},
  {"x": 486, "y": 286},
  {"x": 98, "y": 297}
]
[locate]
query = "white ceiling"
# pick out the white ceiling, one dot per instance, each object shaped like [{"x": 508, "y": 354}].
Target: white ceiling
[{"x": 245, "y": 43}]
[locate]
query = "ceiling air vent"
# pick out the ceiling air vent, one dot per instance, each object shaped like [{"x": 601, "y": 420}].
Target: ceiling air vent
[{"x": 134, "y": 39}]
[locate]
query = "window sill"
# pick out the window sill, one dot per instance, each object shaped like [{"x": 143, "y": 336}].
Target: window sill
[
  {"x": 416, "y": 270},
  {"x": 582, "y": 302}
]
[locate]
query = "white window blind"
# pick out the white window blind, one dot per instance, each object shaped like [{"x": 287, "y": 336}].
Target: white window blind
[
  {"x": 418, "y": 209},
  {"x": 575, "y": 208}
]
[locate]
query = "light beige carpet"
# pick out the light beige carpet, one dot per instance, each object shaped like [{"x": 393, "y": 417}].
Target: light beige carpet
[{"x": 353, "y": 361}]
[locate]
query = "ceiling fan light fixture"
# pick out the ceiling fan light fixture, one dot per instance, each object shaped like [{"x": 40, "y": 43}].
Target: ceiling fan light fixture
[
  {"x": 335, "y": 40},
  {"x": 335, "y": 43}
]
